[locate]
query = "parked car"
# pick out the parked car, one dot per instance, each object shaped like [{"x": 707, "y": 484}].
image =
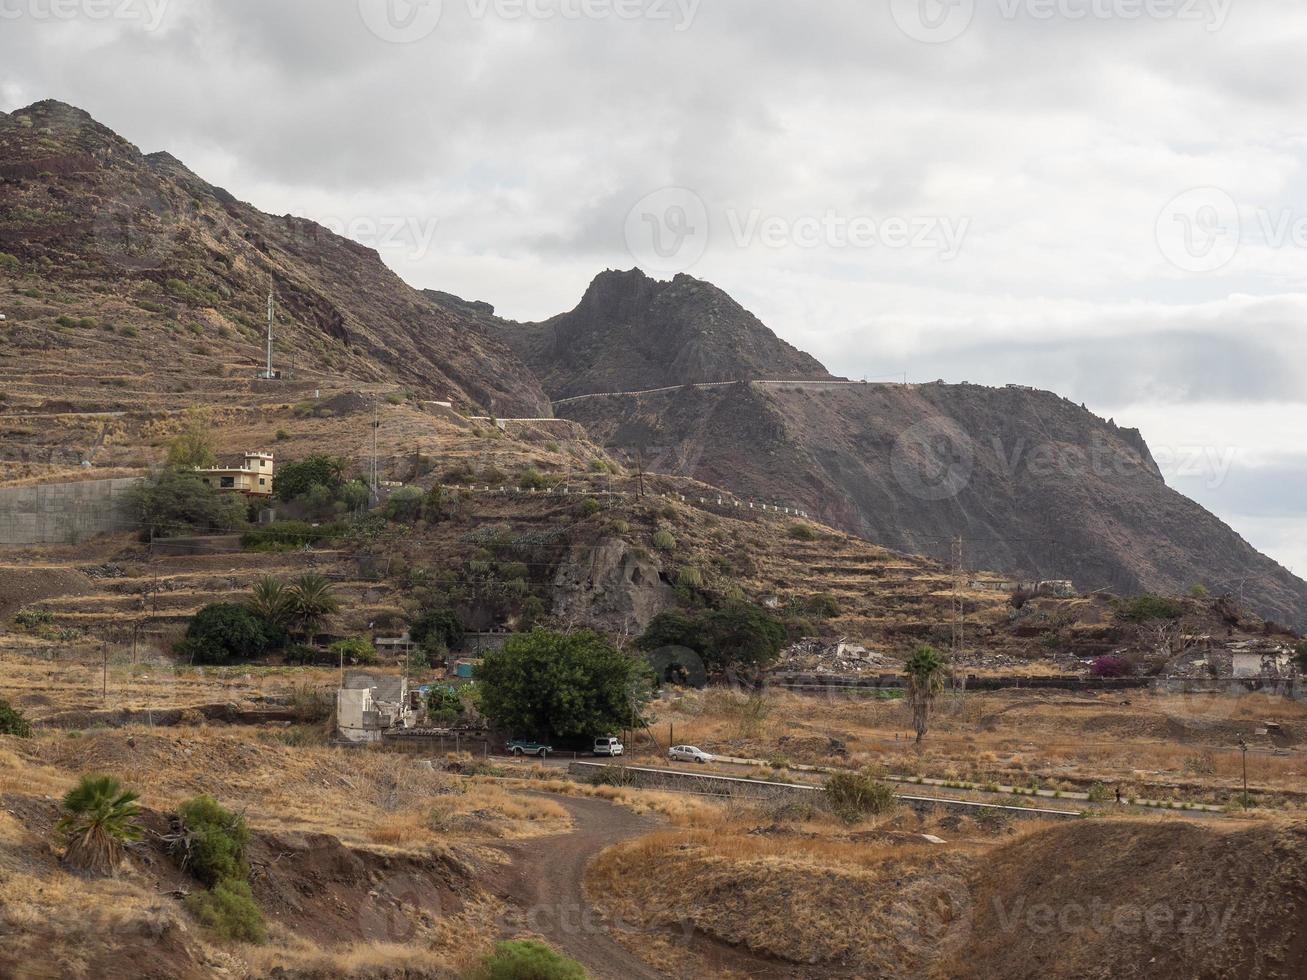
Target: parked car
[
  {"x": 608, "y": 746},
  {"x": 520, "y": 746},
  {"x": 688, "y": 753}
]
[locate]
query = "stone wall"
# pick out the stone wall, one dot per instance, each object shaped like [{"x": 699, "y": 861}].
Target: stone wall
[{"x": 62, "y": 513}]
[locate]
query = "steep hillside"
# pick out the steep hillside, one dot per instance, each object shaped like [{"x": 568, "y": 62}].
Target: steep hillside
[
  {"x": 632, "y": 332},
  {"x": 127, "y": 279},
  {"x": 1034, "y": 484}
]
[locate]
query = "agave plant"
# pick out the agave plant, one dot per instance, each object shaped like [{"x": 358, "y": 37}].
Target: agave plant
[
  {"x": 312, "y": 601},
  {"x": 271, "y": 600},
  {"x": 99, "y": 818}
]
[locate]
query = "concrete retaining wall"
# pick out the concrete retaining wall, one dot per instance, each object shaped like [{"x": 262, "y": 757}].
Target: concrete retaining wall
[{"x": 61, "y": 513}]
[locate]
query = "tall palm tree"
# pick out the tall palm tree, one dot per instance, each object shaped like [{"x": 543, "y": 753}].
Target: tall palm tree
[
  {"x": 924, "y": 671},
  {"x": 99, "y": 818},
  {"x": 312, "y": 601},
  {"x": 271, "y": 600}
]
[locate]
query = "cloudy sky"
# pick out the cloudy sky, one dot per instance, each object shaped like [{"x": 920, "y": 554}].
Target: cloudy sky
[{"x": 1106, "y": 198}]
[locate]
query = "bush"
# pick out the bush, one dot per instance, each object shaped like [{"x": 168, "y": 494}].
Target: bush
[
  {"x": 355, "y": 650},
  {"x": 1146, "y": 606},
  {"x": 528, "y": 959},
  {"x": 177, "y": 501},
  {"x": 221, "y": 632},
  {"x": 12, "y": 721},
  {"x": 405, "y": 505},
  {"x": 437, "y": 628},
  {"x": 533, "y": 480},
  {"x": 31, "y": 619},
  {"x": 9, "y": 262},
  {"x": 287, "y": 535},
  {"x": 802, "y": 532},
  {"x": 664, "y": 540},
  {"x": 1110, "y": 666},
  {"x": 230, "y": 911},
  {"x": 855, "y": 795},
  {"x": 211, "y": 841},
  {"x": 589, "y": 507},
  {"x": 298, "y": 477}
]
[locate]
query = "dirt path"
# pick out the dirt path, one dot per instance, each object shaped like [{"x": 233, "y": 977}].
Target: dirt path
[{"x": 544, "y": 883}]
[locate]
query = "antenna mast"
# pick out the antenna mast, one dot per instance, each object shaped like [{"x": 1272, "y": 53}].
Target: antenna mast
[{"x": 271, "y": 312}]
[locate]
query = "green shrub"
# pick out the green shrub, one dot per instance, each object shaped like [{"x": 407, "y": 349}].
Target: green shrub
[
  {"x": 230, "y": 911},
  {"x": 664, "y": 540},
  {"x": 9, "y": 262},
  {"x": 855, "y": 795},
  {"x": 528, "y": 959},
  {"x": 1147, "y": 605},
  {"x": 12, "y": 721},
  {"x": 1098, "y": 793},
  {"x": 287, "y": 535},
  {"x": 211, "y": 841},
  {"x": 532, "y": 479},
  {"x": 689, "y": 577},
  {"x": 355, "y": 650},
  {"x": 127, "y": 330},
  {"x": 802, "y": 532},
  {"x": 34, "y": 618},
  {"x": 223, "y": 631},
  {"x": 589, "y": 507}
]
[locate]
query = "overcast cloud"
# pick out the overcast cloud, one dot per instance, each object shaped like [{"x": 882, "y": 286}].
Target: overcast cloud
[{"x": 1102, "y": 197}]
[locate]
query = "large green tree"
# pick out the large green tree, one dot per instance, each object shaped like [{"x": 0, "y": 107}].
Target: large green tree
[
  {"x": 298, "y": 477},
  {"x": 177, "y": 501},
  {"x": 568, "y": 686},
  {"x": 223, "y": 631},
  {"x": 738, "y": 636}
]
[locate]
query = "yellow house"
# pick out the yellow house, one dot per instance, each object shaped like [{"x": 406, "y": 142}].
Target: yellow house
[{"x": 252, "y": 478}]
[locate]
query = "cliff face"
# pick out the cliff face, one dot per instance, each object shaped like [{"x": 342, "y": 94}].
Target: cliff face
[
  {"x": 105, "y": 233},
  {"x": 631, "y": 332}
]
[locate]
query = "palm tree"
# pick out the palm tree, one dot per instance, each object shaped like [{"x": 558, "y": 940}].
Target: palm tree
[
  {"x": 99, "y": 818},
  {"x": 925, "y": 679},
  {"x": 312, "y": 601},
  {"x": 271, "y": 600}
]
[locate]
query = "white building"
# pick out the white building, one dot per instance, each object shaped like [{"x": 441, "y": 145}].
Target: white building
[{"x": 371, "y": 704}]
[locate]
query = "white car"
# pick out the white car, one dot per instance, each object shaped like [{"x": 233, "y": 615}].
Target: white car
[
  {"x": 608, "y": 746},
  {"x": 687, "y": 753}
]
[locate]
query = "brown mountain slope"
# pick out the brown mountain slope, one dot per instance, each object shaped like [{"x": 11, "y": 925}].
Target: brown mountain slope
[
  {"x": 631, "y": 332},
  {"x": 164, "y": 277},
  {"x": 1033, "y": 483}
]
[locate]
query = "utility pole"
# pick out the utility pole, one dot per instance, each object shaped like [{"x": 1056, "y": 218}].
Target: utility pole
[
  {"x": 376, "y": 425},
  {"x": 959, "y": 621},
  {"x": 639, "y": 468},
  {"x": 1243, "y": 747}
]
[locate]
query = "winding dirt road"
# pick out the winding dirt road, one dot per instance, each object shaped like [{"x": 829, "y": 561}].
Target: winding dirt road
[{"x": 544, "y": 883}]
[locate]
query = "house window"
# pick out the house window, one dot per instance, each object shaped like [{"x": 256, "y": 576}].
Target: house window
[
  {"x": 228, "y": 483},
  {"x": 262, "y": 482}
]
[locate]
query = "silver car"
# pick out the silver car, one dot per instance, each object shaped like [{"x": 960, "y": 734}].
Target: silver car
[{"x": 688, "y": 753}]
